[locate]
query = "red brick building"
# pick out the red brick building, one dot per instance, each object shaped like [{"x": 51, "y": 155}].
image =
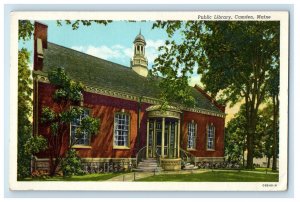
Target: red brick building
[{"x": 126, "y": 102}]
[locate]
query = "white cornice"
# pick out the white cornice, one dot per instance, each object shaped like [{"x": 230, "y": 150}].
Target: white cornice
[{"x": 42, "y": 77}]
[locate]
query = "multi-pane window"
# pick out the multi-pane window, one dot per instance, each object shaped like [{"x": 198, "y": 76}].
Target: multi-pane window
[
  {"x": 191, "y": 135},
  {"x": 121, "y": 130},
  {"x": 79, "y": 137},
  {"x": 210, "y": 137}
]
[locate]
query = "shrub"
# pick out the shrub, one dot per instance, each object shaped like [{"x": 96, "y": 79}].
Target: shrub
[{"x": 71, "y": 164}]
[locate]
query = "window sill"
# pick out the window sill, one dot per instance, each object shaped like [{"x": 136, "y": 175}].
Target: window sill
[
  {"x": 121, "y": 147},
  {"x": 210, "y": 150},
  {"x": 81, "y": 147},
  {"x": 191, "y": 149}
]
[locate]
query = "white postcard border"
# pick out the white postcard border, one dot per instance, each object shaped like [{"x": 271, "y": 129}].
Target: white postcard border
[{"x": 282, "y": 16}]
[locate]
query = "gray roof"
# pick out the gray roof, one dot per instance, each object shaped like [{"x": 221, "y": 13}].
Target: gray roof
[{"x": 96, "y": 72}]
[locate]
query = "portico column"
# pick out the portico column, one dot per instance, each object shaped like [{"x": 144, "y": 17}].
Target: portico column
[
  {"x": 163, "y": 138},
  {"x": 175, "y": 140},
  {"x": 147, "y": 146},
  {"x": 154, "y": 139},
  {"x": 169, "y": 140},
  {"x": 178, "y": 140}
]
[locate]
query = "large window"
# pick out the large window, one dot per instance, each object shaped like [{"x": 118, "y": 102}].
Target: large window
[
  {"x": 79, "y": 137},
  {"x": 210, "y": 137},
  {"x": 121, "y": 130},
  {"x": 191, "y": 135}
]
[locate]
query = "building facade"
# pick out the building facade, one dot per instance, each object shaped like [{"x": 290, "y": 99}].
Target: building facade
[{"x": 126, "y": 101}]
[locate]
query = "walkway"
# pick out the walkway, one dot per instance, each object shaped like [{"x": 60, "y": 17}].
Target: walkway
[{"x": 129, "y": 177}]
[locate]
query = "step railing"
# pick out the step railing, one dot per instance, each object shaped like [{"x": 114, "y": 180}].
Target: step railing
[
  {"x": 187, "y": 157},
  {"x": 157, "y": 154},
  {"x": 140, "y": 155}
]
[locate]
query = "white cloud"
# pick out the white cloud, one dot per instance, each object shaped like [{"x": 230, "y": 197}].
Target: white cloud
[
  {"x": 154, "y": 44},
  {"x": 103, "y": 52},
  {"x": 120, "y": 54},
  {"x": 152, "y": 50},
  {"x": 195, "y": 79}
]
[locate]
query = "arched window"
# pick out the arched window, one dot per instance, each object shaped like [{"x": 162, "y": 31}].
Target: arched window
[
  {"x": 121, "y": 129},
  {"x": 210, "y": 137},
  {"x": 192, "y": 131}
]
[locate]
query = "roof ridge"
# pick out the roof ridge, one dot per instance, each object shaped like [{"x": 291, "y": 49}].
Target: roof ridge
[{"x": 123, "y": 66}]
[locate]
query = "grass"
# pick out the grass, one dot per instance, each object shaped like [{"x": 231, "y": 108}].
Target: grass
[
  {"x": 264, "y": 170},
  {"x": 216, "y": 176},
  {"x": 88, "y": 177}
]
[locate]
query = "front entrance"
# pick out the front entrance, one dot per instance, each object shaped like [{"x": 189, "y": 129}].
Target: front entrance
[
  {"x": 155, "y": 138},
  {"x": 163, "y": 136}
]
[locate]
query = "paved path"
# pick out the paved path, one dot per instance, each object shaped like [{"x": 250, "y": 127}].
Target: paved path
[{"x": 129, "y": 177}]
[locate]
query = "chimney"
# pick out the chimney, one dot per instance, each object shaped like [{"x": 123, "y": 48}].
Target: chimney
[{"x": 40, "y": 43}]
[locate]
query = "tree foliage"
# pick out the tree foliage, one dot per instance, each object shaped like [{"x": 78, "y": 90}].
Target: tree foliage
[
  {"x": 273, "y": 92},
  {"x": 26, "y": 27},
  {"x": 24, "y": 112},
  {"x": 235, "y": 135},
  {"x": 67, "y": 97},
  {"x": 235, "y": 139},
  {"x": 234, "y": 60},
  {"x": 35, "y": 144}
]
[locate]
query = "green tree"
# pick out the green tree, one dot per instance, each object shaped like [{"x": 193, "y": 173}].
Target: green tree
[
  {"x": 273, "y": 92},
  {"x": 67, "y": 98},
  {"x": 26, "y": 27},
  {"x": 265, "y": 126},
  {"x": 24, "y": 112},
  {"x": 233, "y": 58},
  {"x": 235, "y": 136},
  {"x": 235, "y": 139}
]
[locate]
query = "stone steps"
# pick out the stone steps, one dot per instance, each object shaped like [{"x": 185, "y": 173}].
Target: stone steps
[{"x": 148, "y": 165}]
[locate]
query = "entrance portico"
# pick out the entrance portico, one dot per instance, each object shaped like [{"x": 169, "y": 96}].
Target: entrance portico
[{"x": 163, "y": 136}]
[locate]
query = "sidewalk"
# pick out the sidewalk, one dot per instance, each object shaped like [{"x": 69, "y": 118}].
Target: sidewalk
[{"x": 129, "y": 177}]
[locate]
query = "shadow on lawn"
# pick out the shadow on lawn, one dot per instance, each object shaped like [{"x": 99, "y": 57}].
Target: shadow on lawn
[{"x": 219, "y": 176}]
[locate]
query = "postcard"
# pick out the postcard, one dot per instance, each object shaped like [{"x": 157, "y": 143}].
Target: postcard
[{"x": 156, "y": 101}]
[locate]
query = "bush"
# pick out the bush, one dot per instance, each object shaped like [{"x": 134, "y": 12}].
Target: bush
[
  {"x": 71, "y": 164},
  {"x": 218, "y": 165},
  {"x": 35, "y": 144}
]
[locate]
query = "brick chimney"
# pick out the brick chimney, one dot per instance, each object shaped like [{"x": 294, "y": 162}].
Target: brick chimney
[{"x": 40, "y": 43}]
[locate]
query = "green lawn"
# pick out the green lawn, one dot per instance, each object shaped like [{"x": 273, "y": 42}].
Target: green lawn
[
  {"x": 89, "y": 177},
  {"x": 216, "y": 176},
  {"x": 264, "y": 170}
]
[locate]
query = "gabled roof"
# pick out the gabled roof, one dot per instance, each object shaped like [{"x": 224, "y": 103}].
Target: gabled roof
[{"x": 96, "y": 72}]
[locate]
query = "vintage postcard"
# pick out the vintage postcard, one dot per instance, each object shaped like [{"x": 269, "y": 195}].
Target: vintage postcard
[{"x": 156, "y": 101}]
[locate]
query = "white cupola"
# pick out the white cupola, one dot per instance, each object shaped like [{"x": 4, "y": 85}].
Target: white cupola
[{"x": 139, "y": 62}]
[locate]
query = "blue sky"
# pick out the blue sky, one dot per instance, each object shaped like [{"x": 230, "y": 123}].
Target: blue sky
[{"x": 113, "y": 42}]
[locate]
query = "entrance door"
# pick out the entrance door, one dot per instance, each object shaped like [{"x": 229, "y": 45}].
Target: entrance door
[{"x": 155, "y": 138}]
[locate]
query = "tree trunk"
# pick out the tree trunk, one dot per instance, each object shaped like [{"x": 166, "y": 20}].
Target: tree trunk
[
  {"x": 243, "y": 158},
  {"x": 268, "y": 165},
  {"x": 250, "y": 138},
  {"x": 275, "y": 117},
  {"x": 250, "y": 150}
]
